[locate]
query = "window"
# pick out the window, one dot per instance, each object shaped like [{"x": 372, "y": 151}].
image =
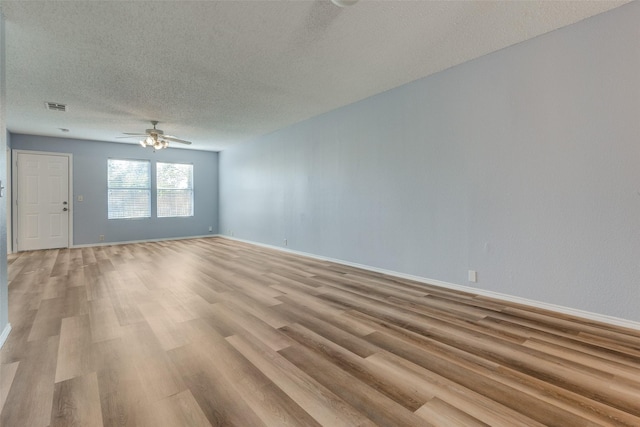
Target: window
[
  {"x": 129, "y": 189},
  {"x": 175, "y": 189}
]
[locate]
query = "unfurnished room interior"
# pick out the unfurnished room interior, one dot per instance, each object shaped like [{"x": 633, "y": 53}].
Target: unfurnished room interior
[{"x": 319, "y": 213}]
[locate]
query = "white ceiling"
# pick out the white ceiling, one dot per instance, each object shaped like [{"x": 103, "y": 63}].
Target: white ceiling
[{"x": 222, "y": 72}]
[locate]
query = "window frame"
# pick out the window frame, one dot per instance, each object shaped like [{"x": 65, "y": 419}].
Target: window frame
[
  {"x": 147, "y": 189},
  {"x": 159, "y": 190}
]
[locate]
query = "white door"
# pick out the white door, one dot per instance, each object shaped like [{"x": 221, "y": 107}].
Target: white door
[{"x": 42, "y": 201}]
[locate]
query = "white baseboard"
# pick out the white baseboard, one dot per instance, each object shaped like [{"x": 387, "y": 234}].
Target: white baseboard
[
  {"x": 5, "y": 334},
  {"x": 497, "y": 295}
]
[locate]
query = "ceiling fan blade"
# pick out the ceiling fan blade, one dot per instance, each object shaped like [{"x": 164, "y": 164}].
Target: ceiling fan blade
[
  {"x": 156, "y": 134},
  {"x": 174, "y": 139}
]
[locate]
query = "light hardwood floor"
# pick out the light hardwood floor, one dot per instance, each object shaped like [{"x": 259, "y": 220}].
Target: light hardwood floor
[{"x": 215, "y": 332}]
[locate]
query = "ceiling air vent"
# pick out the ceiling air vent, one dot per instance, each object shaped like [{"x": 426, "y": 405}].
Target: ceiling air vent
[{"x": 55, "y": 106}]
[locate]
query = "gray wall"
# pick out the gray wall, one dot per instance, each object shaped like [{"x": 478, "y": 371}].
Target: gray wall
[
  {"x": 4, "y": 298},
  {"x": 90, "y": 181},
  {"x": 522, "y": 165}
]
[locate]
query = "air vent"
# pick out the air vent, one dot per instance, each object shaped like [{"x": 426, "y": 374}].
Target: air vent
[{"x": 55, "y": 106}]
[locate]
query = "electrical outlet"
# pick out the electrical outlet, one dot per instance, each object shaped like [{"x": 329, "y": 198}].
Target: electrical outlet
[
  {"x": 231, "y": 233},
  {"x": 473, "y": 276},
  {"x": 102, "y": 237},
  {"x": 210, "y": 228},
  {"x": 285, "y": 242}
]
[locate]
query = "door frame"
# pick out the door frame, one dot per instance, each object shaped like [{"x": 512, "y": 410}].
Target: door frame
[{"x": 14, "y": 195}]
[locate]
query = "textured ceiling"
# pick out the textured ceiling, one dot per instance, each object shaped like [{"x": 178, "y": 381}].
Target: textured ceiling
[{"x": 222, "y": 72}]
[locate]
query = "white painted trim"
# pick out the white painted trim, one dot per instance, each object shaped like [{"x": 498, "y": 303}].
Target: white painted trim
[
  {"x": 505, "y": 297},
  {"x": 9, "y": 195},
  {"x": 127, "y": 242},
  {"x": 14, "y": 185},
  {"x": 5, "y": 334}
]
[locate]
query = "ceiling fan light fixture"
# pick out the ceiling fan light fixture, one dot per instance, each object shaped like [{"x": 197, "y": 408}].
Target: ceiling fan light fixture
[
  {"x": 155, "y": 138},
  {"x": 154, "y": 142}
]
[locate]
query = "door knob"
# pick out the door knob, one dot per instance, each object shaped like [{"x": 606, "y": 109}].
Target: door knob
[
  {"x": 65, "y": 209},
  {"x": 64, "y": 203}
]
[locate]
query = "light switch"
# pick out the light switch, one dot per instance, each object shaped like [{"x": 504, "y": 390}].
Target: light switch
[
  {"x": 81, "y": 198},
  {"x": 473, "y": 276}
]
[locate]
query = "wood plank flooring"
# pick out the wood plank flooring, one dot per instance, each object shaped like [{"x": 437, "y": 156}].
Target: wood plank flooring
[{"x": 215, "y": 332}]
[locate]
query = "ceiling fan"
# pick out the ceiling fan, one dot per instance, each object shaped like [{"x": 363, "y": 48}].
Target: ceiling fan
[{"x": 154, "y": 137}]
